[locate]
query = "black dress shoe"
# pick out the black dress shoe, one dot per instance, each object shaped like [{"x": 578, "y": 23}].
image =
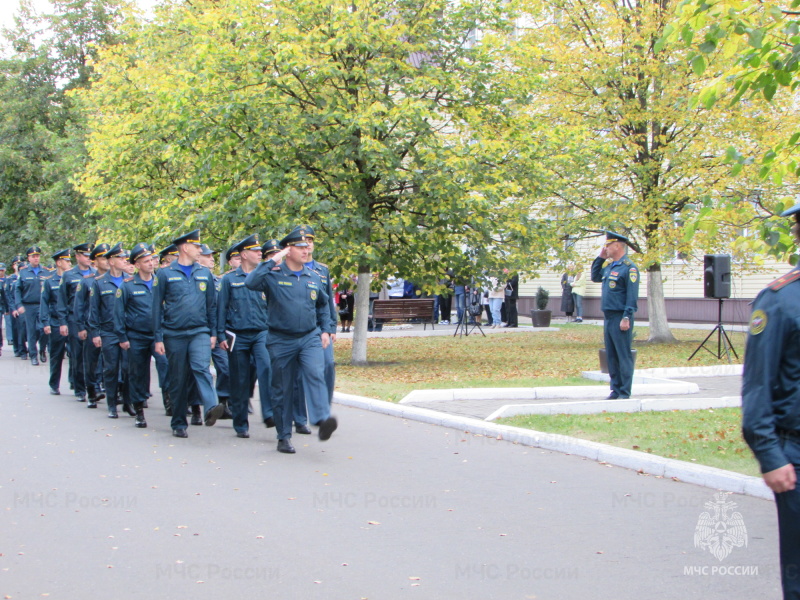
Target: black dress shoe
[
  {"x": 242, "y": 434},
  {"x": 24, "y": 355},
  {"x": 81, "y": 397},
  {"x": 286, "y": 447},
  {"x": 214, "y": 414},
  {"x": 612, "y": 396},
  {"x": 100, "y": 396},
  {"x": 54, "y": 392},
  {"x": 181, "y": 433},
  {"x": 112, "y": 411},
  {"x": 92, "y": 403},
  {"x": 196, "y": 419},
  {"x": 302, "y": 429},
  {"x": 168, "y": 411},
  {"x": 327, "y": 427},
  {"x": 269, "y": 422},
  {"x": 140, "y": 422},
  {"x": 43, "y": 356},
  {"x": 34, "y": 360},
  {"x": 129, "y": 409}
]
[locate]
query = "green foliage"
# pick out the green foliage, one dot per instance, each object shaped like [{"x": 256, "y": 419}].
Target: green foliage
[{"x": 542, "y": 296}]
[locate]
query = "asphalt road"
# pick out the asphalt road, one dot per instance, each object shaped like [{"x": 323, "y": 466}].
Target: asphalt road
[{"x": 95, "y": 508}]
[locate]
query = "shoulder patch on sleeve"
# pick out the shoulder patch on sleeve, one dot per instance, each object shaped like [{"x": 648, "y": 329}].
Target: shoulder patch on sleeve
[{"x": 758, "y": 322}]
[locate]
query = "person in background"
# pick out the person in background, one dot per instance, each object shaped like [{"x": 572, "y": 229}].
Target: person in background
[
  {"x": 496, "y": 297},
  {"x": 511, "y": 297},
  {"x": 347, "y": 302},
  {"x": 567, "y": 303},
  {"x": 578, "y": 292}
]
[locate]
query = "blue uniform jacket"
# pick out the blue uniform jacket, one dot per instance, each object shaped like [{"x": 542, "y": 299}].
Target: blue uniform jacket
[
  {"x": 134, "y": 309},
  {"x": 50, "y": 287},
  {"x": 10, "y": 290},
  {"x": 771, "y": 376},
  {"x": 296, "y": 305},
  {"x": 29, "y": 286},
  {"x": 66, "y": 296},
  {"x": 181, "y": 305},
  {"x": 103, "y": 297},
  {"x": 620, "y": 281},
  {"x": 80, "y": 304},
  {"x": 240, "y": 308},
  {"x": 325, "y": 277}
]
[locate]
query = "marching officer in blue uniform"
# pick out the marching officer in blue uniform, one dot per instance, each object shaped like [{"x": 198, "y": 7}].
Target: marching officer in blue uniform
[
  {"x": 28, "y": 295},
  {"x": 771, "y": 405},
  {"x": 47, "y": 315},
  {"x": 620, "y": 279},
  {"x": 218, "y": 356},
  {"x": 134, "y": 327},
  {"x": 103, "y": 298},
  {"x": 243, "y": 312},
  {"x": 299, "y": 329},
  {"x": 64, "y": 316},
  {"x": 18, "y": 333},
  {"x": 185, "y": 326},
  {"x": 6, "y": 314},
  {"x": 92, "y": 373}
]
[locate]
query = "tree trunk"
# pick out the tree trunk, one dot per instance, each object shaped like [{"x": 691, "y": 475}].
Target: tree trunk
[
  {"x": 358, "y": 356},
  {"x": 659, "y": 326}
]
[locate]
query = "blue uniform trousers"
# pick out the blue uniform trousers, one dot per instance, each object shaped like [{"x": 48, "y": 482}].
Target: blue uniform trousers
[
  {"x": 248, "y": 345},
  {"x": 788, "y": 504},
  {"x": 58, "y": 347},
  {"x": 91, "y": 362},
  {"x": 299, "y": 400},
  {"x": 292, "y": 357},
  {"x": 76, "y": 360},
  {"x": 221, "y": 366},
  {"x": 189, "y": 357},
  {"x": 264, "y": 387},
  {"x": 138, "y": 375},
  {"x": 618, "y": 352},
  {"x": 19, "y": 334},
  {"x": 162, "y": 369},
  {"x": 32, "y": 331},
  {"x": 9, "y": 333},
  {"x": 112, "y": 364}
]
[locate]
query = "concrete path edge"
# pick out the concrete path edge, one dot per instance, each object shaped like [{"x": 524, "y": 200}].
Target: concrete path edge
[{"x": 678, "y": 470}]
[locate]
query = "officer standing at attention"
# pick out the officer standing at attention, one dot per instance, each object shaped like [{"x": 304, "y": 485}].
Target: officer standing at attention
[
  {"x": 232, "y": 258},
  {"x": 134, "y": 327},
  {"x": 103, "y": 297},
  {"x": 620, "y": 279},
  {"x": 64, "y": 316},
  {"x": 80, "y": 310},
  {"x": 185, "y": 326},
  {"x": 243, "y": 312},
  {"x": 299, "y": 329},
  {"x": 28, "y": 294},
  {"x": 47, "y": 311},
  {"x": 771, "y": 405}
]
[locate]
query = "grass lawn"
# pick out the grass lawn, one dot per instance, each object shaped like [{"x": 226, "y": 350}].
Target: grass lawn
[
  {"x": 709, "y": 437},
  {"x": 401, "y": 365}
]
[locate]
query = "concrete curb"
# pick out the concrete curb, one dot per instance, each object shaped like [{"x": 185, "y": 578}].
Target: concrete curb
[
  {"x": 599, "y": 406},
  {"x": 621, "y": 457}
]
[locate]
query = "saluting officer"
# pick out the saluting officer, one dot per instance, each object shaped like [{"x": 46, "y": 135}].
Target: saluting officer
[
  {"x": 134, "y": 326},
  {"x": 28, "y": 295},
  {"x": 620, "y": 279},
  {"x": 771, "y": 405},
  {"x": 18, "y": 334},
  {"x": 64, "y": 316},
  {"x": 185, "y": 326},
  {"x": 92, "y": 373},
  {"x": 47, "y": 315},
  {"x": 299, "y": 328},
  {"x": 103, "y": 297},
  {"x": 243, "y": 312}
]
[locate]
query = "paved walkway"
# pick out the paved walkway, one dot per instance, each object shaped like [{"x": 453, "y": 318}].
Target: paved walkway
[{"x": 388, "y": 508}]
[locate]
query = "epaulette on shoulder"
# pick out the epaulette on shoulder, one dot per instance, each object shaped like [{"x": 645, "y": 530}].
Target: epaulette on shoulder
[
  {"x": 322, "y": 264},
  {"x": 98, "y": 276},
  {"x": 89, "y": 275},
  {"x": 128, "y": 279},
  {"x": 785, "y": 280}
]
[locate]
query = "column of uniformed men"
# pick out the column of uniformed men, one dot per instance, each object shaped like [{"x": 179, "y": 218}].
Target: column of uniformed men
[{"x": 270, "y": 319}]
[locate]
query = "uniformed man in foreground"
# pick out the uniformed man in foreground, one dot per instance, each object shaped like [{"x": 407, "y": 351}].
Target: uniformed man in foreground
[
  {"x": 134, "y": 325},
  {"x": 218, "y": 355},
  {"x": 47, "y": 314},
  {"x": 299, "y": 329},
  {"x": 28, "y": 295},
  {"x": 92, "y": 371},
  {"x": 64, "y": 316},
  {"x": 185, "y": 326},
  {"x": 242, "y": 312},
  {"x": 771, "y": 405},
  {"x": 620, "y": 279}
]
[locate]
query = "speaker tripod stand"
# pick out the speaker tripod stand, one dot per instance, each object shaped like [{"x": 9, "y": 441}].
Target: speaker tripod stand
[
  {"x": 723, "y": 341},
  {"x": 464, "y": 327}
]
